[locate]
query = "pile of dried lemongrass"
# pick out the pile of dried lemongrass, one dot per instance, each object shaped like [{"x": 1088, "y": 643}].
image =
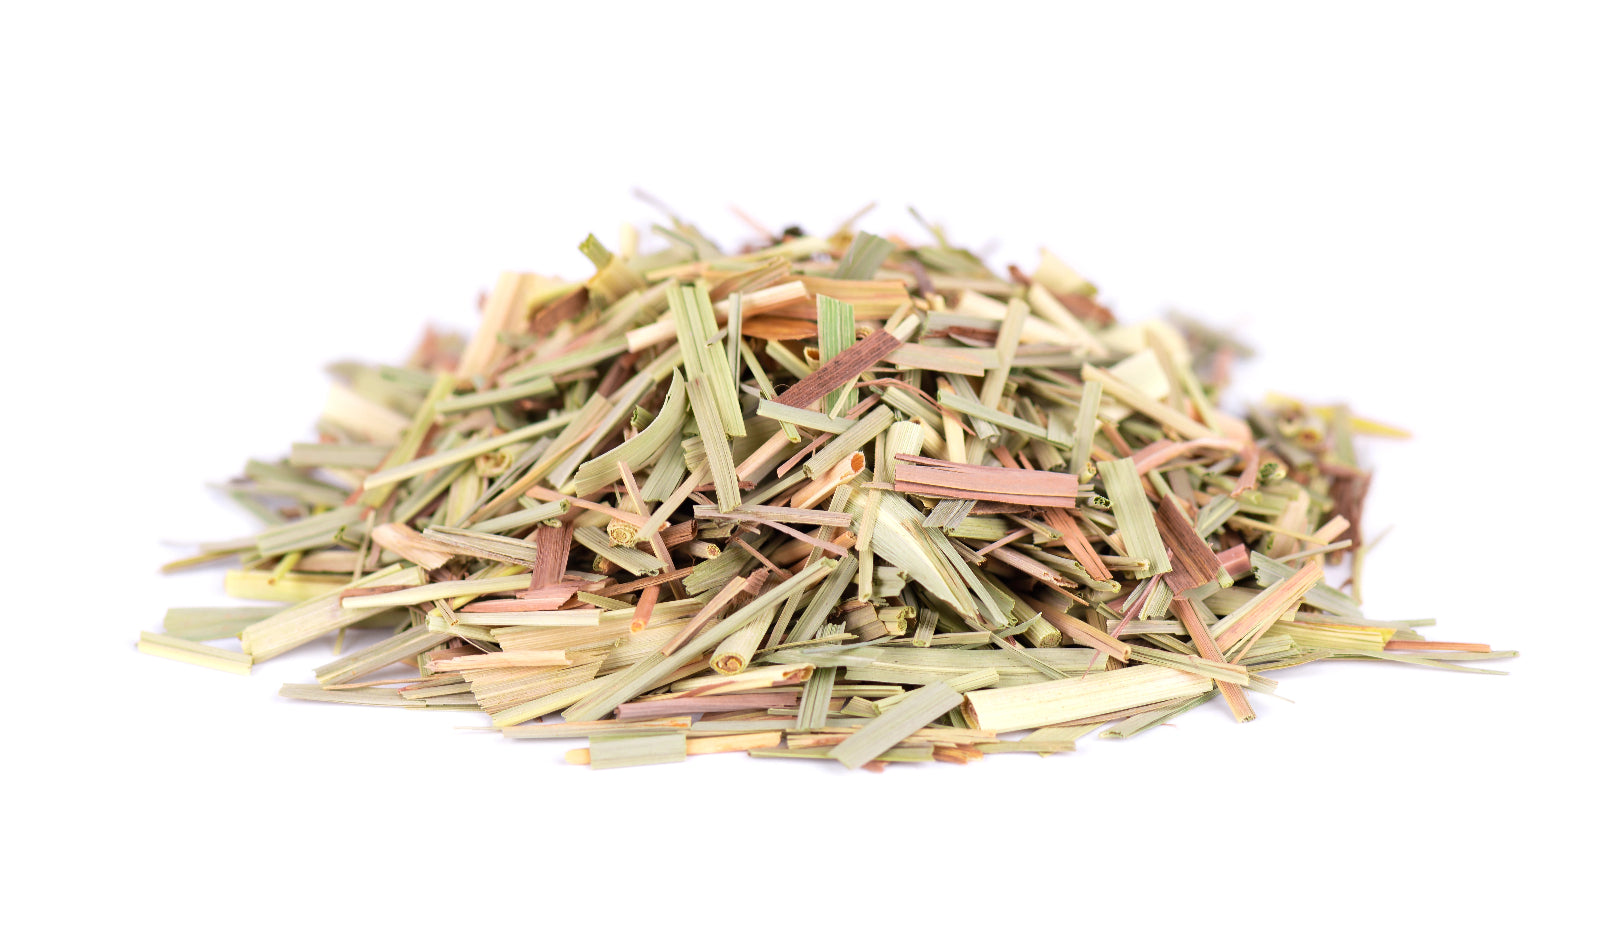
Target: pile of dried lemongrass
[{"x": 839, "y": 497}]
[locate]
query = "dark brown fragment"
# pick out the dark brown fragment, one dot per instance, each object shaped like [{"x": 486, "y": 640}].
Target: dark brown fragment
[
  {"x": 924, "y": 476},
  {"x": 1087, "y": 309},
  {"x": 1193, "y": 562},
  {"x": 845, "y": 366},
  {"x": 1077, "y": 543},
  {"x": 550, "y": 561},
  {"x": 1348, "y": 491},
  {"x": 565, "y": 309}
]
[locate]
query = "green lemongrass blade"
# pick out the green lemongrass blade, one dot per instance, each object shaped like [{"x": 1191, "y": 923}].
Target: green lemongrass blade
[
  {"x": 1463, "y": 656},
  {"x": 836, "y": 331},
  {"x": 904, "y": 437},
  {"x": 274, "y": 480},
  {"x": 713, "y": 573},
  {"x": 528, "y": 516},
  {"x": 358, "y": 696},
  {"x": 814, "y": 697},
  {"x": 652, "y": 670},
  {"x": 915, "y": 711},
  {"x": 947, "y": 663},
  {"x": 859, "y": 435},
  {"x": 629, "y": 559},
  {"x": 309, "y": 620},
  {"x": 828, "y": 596},
  {"x": 861, "y": 261},
  {"x": 578, "y": 426},
  {"x": 687, "y": 235},
  {"x": 534, "y": 388},
  {"x": 604, "y": 603},
  {"x": 1058, "y": 701},
  {"x": 750, "y": 512},
  {"x": 1321, "y": 595},
  {"x": 908, "y": 754},
  {"x": 477, "y": 448},
  {"x": 206, "y": 624},
  {"x": 735, "y": 651},
  {"x": 836, "y": 503},
  {"x": 1056, "y": 429},
  {"x": 437, "y": 591},
  {"x": 596, "y": 251},
  {"x": 764, "y": 385},
  {"x": 789, "y": 361},
  {"x": 866, "y": 523},
  {"x": 913, "y": 407},
  {"x": 620, "y": 751},
  {"x": 618, "y": 409},
  {"x": 1156, "y": 603},
  {"x": 801, "y": 417},
  {"x": 416, "y": 432},
  {"x": 576, "y": 617},
  {"x": 1057, "y": 734},
  {"x": 1021, "y": 654},
  {"x": 664, "y": 479},
  {"x": 778, "y": 488},
  {"x": 311, "y": 532},
  {"x": 408, "y": 644},
  {"x": 1005, "y": 347},
  {"x": 639, "y": 452},
  {"x": 953, "y": 520},
  {"x": 353, "y": 456},
  {"x": 642, "y": 727},
  {"x": 719, "y": 454},
  {"x": 962, "y": 683},
  {"x": 1148, "y": 721},
  {"x": 735, "y": 331},
  {"x": 1215, "y": 670},
  {"x": 731, "y": 726},
  {"x": 959, "y": 639},
  {"x": 1045, "y": 745},
  {"x": 899, "y": 538},
  {"x": 703, "y": 360},
  {"x": 1214, "y": 514},
  {"x": 543, "y": 706},
  {"x": 1134, "y": 519},
  {"x": 945, "y": 360},
  {"x": 988, "y": 606},
  {"x": 1083, "y": 429},
  {"x": 420, "y": 497},
  {"x": 193, "y": 652},
  {"x": 974, "y": 680},
  {"x": 1414, "y": 660},
  {"x": 483, "y": 545},
  {"x": 563, "y": 364},
  {"x": 961, "y": 388},
  {"x": 997, "y": 418}
]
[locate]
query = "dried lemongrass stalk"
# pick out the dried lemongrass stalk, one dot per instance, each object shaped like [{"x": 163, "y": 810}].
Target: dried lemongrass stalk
[
  {"x": 619, "y": 751},
  {"x": 1062, "y": 701},
  {"x": 193, "y": 652},
  {"x": 821, "y": 492},
  {"x": 702, "y": 745}
]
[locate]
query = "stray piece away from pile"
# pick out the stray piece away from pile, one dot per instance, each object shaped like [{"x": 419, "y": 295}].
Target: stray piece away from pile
[{"x": 836, "y": 497}]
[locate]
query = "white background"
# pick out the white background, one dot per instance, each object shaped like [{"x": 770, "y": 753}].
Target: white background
[{"x": 203, "y": 205}]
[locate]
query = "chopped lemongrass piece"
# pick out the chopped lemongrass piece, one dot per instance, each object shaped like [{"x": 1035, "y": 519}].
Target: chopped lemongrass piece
[
  {"x": 193, "y": 652},
  {"x": 1135, "y": 521},
  {"x": 1059, "y": 701},
  {"x": 620, "y": 751}
]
